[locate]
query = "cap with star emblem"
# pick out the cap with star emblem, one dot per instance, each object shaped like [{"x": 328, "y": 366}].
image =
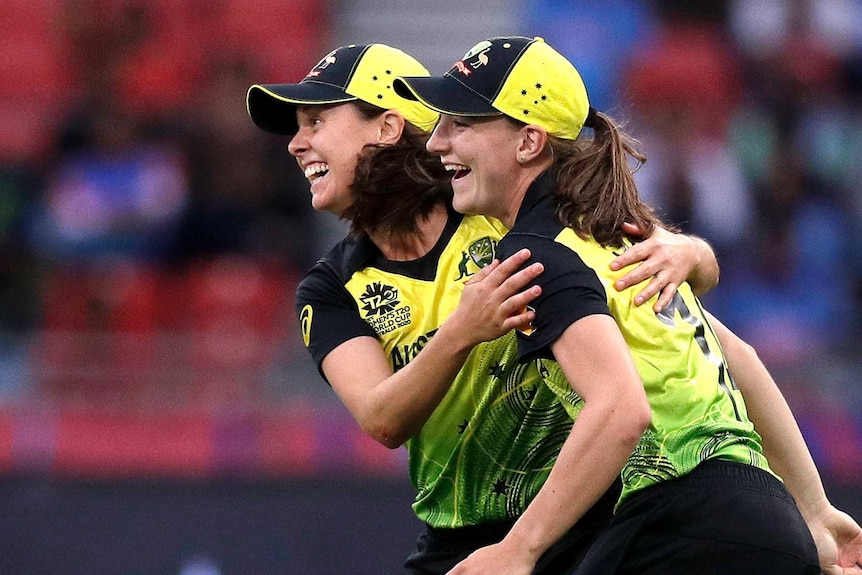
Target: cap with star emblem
[
  {"x": 346, "y": 74},
  {"x": 523, "y": 78}
]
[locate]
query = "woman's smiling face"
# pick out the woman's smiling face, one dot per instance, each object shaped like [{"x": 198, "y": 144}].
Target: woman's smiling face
[
  {"x": 327, "y": 147},
  {"x": 481, "y": 153}
]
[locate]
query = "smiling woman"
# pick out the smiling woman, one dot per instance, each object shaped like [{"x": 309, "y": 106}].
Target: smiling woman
[
  {"x": 485, "y": 160},
  {"x": 650, "y": 390},
  {"x": 326, "y": 144},
  {"x": 410, "y": 318}
]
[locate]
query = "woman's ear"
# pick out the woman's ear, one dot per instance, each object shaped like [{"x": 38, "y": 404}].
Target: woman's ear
[
  {"x": 532, "y": 142},
  {"x": 391, "y": 127}
]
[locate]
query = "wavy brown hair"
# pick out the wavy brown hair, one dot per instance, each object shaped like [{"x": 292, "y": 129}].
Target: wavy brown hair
[
  {"x": 596, "y": 191},
  {"x": 395, "y": 186}
]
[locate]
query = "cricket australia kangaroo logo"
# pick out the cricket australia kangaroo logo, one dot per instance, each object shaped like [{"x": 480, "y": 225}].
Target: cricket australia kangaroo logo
[
  {"x": 480, "y": 253},
  {"x": 380, "y": 303}
]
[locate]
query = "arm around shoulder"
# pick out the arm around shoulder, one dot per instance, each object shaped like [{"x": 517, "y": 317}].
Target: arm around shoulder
[
  {"x": 837, "y": 535},
  {"x": 667, "y": 259}
]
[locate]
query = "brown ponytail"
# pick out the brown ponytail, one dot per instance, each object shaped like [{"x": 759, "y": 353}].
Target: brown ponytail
[{"x": 596, "y": 191}]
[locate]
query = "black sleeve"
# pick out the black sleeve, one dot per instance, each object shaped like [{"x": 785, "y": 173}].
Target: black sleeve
[
  {"x": 570, "y": 290},
  {"x": 328, "y": 315}
]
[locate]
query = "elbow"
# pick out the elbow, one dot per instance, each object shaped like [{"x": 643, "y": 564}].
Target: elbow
[
  {"x": 738, "y": 351},
  {"x": 390, "y": 442},
  {"x": 748, "y": 349},
  {"x": 387, "y": 427},
  {"x": 642, "y": 420},
  {"x": 387, "y": 422},
  {"x": 637, "y": 418},
  {"x": 713, "y": 280},
  {"x": 389, "y": 436},
  {"x": 624, "y": 421}
]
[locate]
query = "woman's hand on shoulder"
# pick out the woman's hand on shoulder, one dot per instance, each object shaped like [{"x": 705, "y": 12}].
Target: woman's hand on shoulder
[
  {"x": 495, "y": 300},
  {"x": 666, "y": 259}
]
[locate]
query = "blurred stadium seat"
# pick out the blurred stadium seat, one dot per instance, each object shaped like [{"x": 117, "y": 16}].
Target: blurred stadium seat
[
  {"x": 98, "y": 342},
  {"x": 239, "y": 315}
]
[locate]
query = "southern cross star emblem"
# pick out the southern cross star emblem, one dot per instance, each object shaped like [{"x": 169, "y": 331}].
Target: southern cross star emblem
[
  {"x": 500, "y": 488},
  {"x": 496, "y": 370}
]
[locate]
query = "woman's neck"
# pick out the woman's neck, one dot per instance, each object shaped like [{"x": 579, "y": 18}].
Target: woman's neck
[
  {"x": 521, "y": 182},
  {"x": 412, "y": 246}
]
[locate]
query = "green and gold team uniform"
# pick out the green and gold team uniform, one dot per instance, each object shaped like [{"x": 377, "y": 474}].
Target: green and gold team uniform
[
  {"x": 490, "y": 444},
  {"x": 697, "y": 412},
  {"x": 698, "y": 496}
]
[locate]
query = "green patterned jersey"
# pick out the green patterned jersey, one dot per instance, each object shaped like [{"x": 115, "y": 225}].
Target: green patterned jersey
[
  {"x": 697, "y": 412},
  {"x": 490, "y": 444}
]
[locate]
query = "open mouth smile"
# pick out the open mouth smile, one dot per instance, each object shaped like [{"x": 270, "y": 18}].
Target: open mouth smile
[
  {"x": 315, "y": 171},
  {"x": 460, "y": 170}
]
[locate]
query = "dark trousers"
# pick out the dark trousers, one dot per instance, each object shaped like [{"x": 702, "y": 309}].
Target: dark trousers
[
  {"x": 439, "y": 550},
  {"x": 722, "y": 518}
]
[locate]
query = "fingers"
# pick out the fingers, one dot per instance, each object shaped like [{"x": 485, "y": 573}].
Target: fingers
[
  {"x": 666, "y": 289},
  {"x": 483, "y": 273},
  {"x": 647, "y": 293},
  {"x": 632, "y": 230},
  {"x": 517, "y": 314},
  {"x": 520, "y": 315},
  {"x": 517, "y": 304},
  {"x": 520, "y": 280},
  {"x": 511, "y": 265},
  {"x": 667, "y": 293},
  {"x": 659, "y": 284},
  {"x": 631, "y": 256},
  {"x": 508, "y": 276},
  {"x": 635, "y": 276},
  {"x": 521, "y": 321}
]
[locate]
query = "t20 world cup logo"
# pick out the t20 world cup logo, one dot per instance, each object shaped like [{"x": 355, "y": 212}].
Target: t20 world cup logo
[{"x": 379, "y": 299}]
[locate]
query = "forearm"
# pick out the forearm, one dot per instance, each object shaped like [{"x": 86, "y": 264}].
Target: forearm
[
  {"x": 410, "y": 395},
  {"x": 589, "y": 461},
  {"x": 783, "y": 443},
  {"x": 704, "y": 275},
  {"x": 598, "y": 365},
  {"x": 392, "y": 407}
]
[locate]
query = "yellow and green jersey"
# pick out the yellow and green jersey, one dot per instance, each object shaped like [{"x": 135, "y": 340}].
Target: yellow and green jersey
[
  {"x": 490, "y": 444},
  {"x": 697, "y": 412}
]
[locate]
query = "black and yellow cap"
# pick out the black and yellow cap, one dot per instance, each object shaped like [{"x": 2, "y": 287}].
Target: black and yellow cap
[
  {"x": 523, "y": 78},
  {"x": 346, "y": 74}
]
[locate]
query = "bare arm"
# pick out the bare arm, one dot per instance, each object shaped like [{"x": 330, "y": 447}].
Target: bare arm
[
  {"x": 837, "y": 535},
  {"x": 667, "y": 259},
  {"x": 392, "y": 407},
  {"x": 595, "y": 359}
]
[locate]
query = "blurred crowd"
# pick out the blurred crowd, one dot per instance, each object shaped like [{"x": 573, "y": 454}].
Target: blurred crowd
[
  {"x": 128, "y": 139},
  {"x": 130, "y": 176},
  {"x": 126, "y": 154}
]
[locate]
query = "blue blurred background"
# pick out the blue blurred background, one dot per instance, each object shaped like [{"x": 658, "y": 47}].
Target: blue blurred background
[{"x": 158, "y": 414}]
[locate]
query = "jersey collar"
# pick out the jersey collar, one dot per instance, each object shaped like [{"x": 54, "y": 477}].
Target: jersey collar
[{"x": 541, "y": 188}]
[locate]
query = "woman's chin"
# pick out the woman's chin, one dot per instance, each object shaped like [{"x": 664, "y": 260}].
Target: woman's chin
[
  {"x": 321, "y": 204},
  {"x": 462, "y": 205}
]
